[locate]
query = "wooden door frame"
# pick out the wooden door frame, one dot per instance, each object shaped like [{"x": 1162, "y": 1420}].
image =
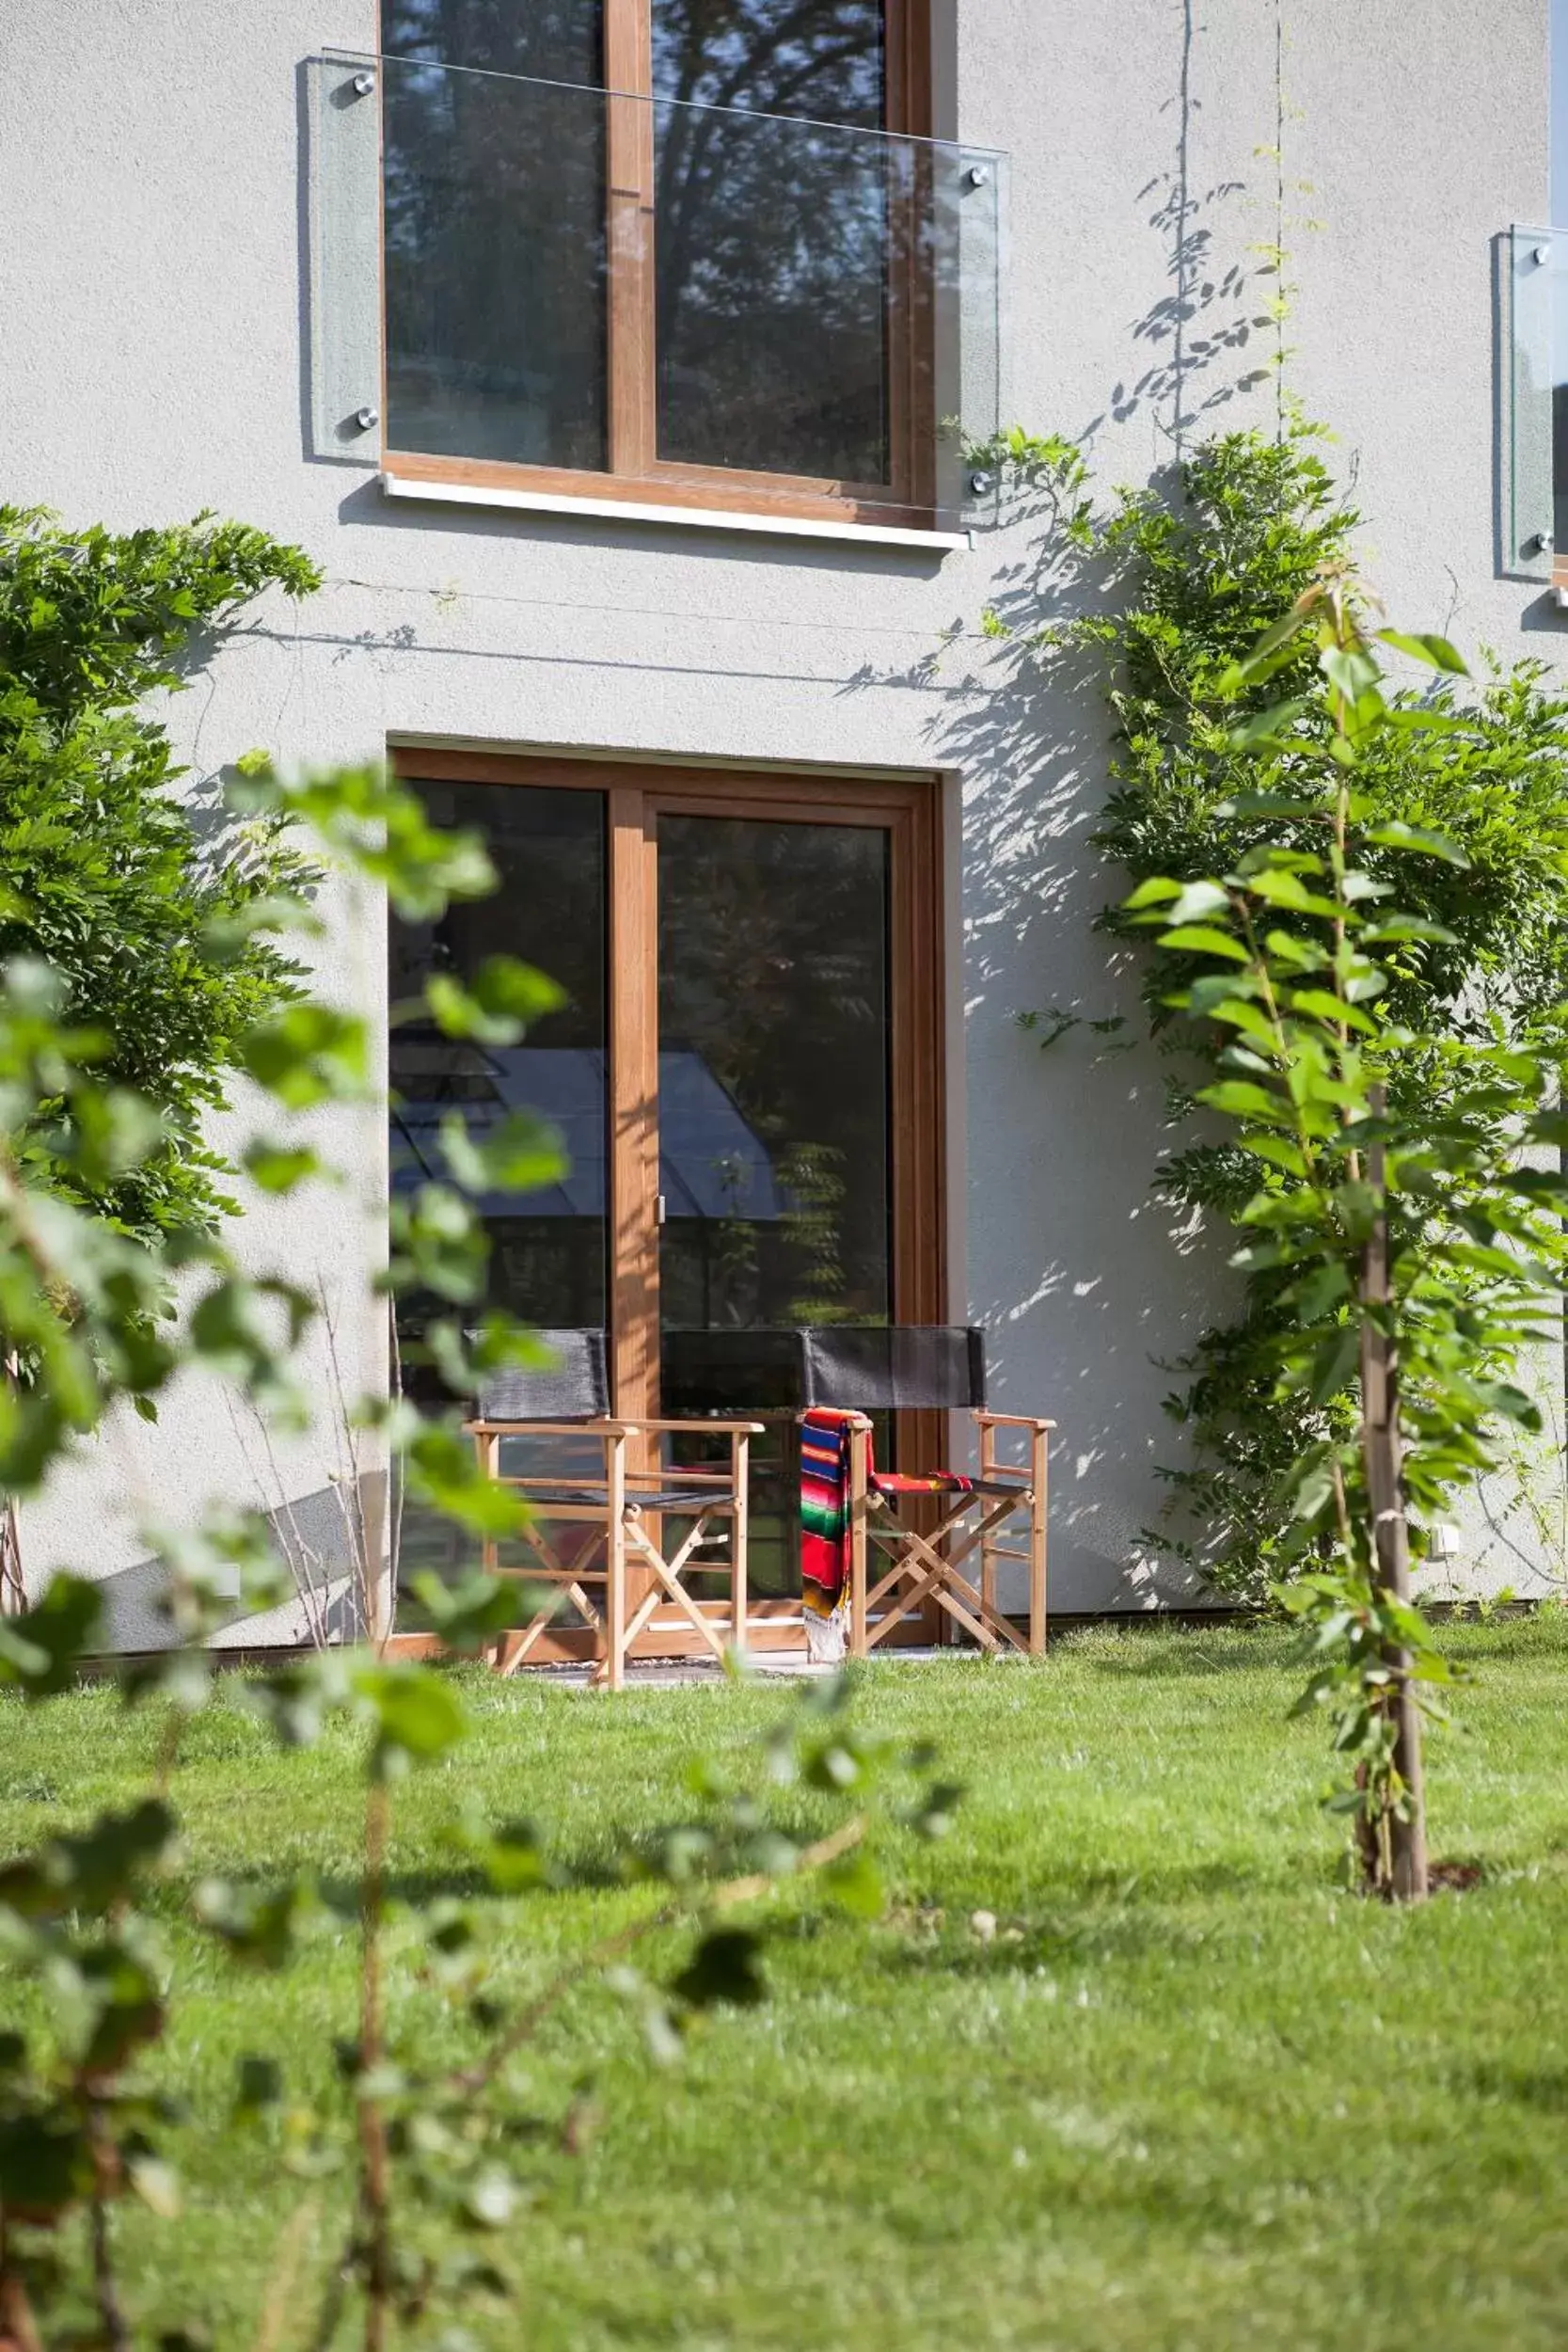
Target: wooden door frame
[{"x": 635, "y": 793}]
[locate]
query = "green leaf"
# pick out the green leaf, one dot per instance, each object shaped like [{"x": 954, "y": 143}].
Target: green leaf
[
  {"x": 510, "y": 1854},
  {"x": 1334, "y": 1363},
  {"x": 1321, "y": 1003},
  {"x": 1243, "y": 805},
  {"x": 518, "y": 1154},
  {"x": 418, "y": 1715},
  {"x": 1278, "y": 1151},
  {"x": 307, "y": 1054},
  {"x": 1395, "y": 835},
  {"x": 278, "y": 1168},
  {"x": 1391, "y": 928},
  {"x": 1321, "y": 1290},
  {"x": 92, "y": 1870},
  {"x": 45, "y": 2166},
  {"x": 1289, "y": 890},
  {"x": 491, "y": 2199},
  {"x": 1153, "y": 892},
  {"x": 1202, "y": 939},
  {"x": 723, "y": 1970},
  {"x": 1237, "y": 1099},
  {"x": 1197, "y": 901},
  {"x": 260, "y": 2085},
  {"x": 1278, "y": 635},
  {"x": 498, "y": 1003},
  {"x": 1434, "y": 652},
  {"x": 1270, "y": 727},
  {"x": 1245, "y": 1016},
  {"x": 157, "y": 2183},
  {"x": 40, "y": 1650},
  {"x": 1351, "y": 674},
  {"x": 855, "y": 1885},
  {"x": 258, "y": 1924},
  {"x": 470, "y": 1613}
]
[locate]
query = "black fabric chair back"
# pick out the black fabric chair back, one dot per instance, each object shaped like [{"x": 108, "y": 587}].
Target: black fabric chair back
[
  {"x": 574, "y": 1384},
  {"x": 853, "y": 1367},
  {"x": 894, "y": 1368}
]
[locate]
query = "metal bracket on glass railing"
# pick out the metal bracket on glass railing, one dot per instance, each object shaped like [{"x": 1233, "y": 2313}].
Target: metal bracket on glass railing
[
  {"x": 343, "y": 166},
  {"x": 1534, "y": 290}
]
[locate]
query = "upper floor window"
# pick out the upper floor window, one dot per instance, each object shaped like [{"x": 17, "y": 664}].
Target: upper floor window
[{"x": 698, "y": 250}]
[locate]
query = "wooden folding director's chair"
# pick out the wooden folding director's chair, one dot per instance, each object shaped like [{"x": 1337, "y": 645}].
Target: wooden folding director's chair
[
  {"x": 856, "y": 1371},
  {"x": 530, "y": 1411}
]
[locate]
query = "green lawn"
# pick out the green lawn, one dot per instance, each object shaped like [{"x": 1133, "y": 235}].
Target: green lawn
[{"x": 1194, "y": 2093}]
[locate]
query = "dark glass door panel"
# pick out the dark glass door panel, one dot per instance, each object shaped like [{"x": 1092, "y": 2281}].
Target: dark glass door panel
[
  {"x": 774, "y": 1080},
  {"x": 548, "y": 1261},
  {"x": 771, "y": 236},
  {"x": 549, "y": 1250},
  {"x": 496, "y": 257}
]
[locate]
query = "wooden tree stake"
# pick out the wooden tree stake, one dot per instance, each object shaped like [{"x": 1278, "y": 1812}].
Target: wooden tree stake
[{"x": 1383, "y": 1456}]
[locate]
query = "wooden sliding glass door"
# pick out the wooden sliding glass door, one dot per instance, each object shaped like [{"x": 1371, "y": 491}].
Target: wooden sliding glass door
[{"x": 746, "y": 1069}]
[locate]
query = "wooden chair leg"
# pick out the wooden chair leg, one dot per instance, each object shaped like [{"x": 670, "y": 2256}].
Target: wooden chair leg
[
  {"x": 987, "y": 1544},
  {"x": 859, "y": 1447},
  {"x": 1039, "y": 1445},
  {"x": 488, "y": 1448},
  {"x": 615, "y": 1546},
  {"x": 740, "y": 1455}
]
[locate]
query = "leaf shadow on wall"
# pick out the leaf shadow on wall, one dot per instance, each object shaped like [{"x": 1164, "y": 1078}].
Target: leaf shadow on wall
[{"x": 1090, "y": 1286}]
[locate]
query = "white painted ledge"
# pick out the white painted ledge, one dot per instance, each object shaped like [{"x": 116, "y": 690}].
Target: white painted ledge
[{"x": 683, "y": 518}]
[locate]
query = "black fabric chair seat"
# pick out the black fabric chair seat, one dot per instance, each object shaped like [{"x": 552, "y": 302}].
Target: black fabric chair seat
[{"x": 673, "y": 1496}]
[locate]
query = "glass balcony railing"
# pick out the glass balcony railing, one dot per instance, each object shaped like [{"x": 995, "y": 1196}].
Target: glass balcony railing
[
  {"x": 1535, "y": 504},
  {"x": 566, "y": 290}
]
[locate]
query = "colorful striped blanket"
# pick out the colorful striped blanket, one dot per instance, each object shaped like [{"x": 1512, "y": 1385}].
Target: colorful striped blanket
[
  {"x": 824, "y": 1505},
  {"x": 824, "y": 1511}
]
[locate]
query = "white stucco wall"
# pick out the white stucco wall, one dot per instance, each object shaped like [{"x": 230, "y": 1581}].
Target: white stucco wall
[{"x": 152, "y": 365}]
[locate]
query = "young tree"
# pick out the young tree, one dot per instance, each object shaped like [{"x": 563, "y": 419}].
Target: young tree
[
  {"x": 433, "y": 2152},
  {"x": 1413, "y": 1259}
]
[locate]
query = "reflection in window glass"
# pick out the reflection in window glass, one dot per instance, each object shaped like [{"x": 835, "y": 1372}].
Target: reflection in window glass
[
  {"x": 773, "y": 1108},
  {"x": 773, "y": 1071},
  {"x": 547, "y": 1250},
  {"x": 772, "y": 233},
  {"x": 554, "y": 40},
  {"x": 822, "y": 58},
  {"x": 493, "y": 232}
]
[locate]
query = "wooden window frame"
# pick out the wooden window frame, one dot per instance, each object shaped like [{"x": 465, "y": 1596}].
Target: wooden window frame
[
  {"x": 637, "y": 794},
  {"x": 636, "y": 475}
]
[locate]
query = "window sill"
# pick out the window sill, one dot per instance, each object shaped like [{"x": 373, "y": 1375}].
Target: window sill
[{"x": 845, "y": 533}]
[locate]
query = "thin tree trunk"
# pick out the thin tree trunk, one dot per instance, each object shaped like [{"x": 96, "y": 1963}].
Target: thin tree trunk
[
  {"x": 375, "y": 2166},
  {"x": 18, "y": 2327},
  {"x": 1403, "y": 1840},
  {"x": 14, "y": 1592},
  {"x": 105, "y": 2289}
]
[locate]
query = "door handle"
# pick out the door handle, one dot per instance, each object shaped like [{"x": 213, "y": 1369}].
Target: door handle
[{"x": 661, "y": 1208}]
